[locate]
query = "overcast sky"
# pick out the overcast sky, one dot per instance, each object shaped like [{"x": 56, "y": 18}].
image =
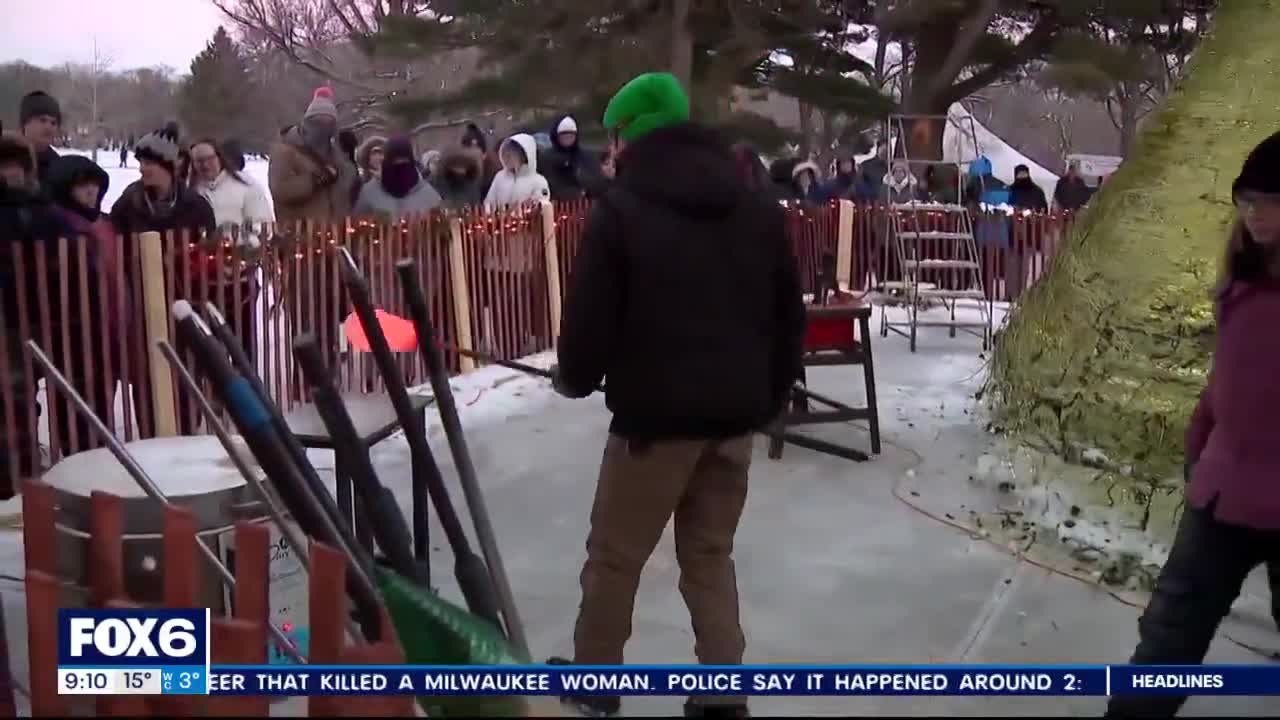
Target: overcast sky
[{"x": 134, "y": 33}]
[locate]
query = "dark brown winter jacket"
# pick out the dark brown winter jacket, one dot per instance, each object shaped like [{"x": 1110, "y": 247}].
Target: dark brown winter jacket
[{"x": 302, "y": 186}]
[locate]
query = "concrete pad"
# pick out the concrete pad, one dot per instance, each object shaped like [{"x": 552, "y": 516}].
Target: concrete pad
[{"x": 837, "y": 561}]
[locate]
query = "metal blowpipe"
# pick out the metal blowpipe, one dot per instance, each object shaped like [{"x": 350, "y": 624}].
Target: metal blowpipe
[{"x": 117, "y": 448}]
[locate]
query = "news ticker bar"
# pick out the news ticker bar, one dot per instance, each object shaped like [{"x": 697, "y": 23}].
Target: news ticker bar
[{"x": 1083, "y": 680}]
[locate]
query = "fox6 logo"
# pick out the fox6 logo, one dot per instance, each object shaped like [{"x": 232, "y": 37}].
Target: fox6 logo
[
  {"x": 133, "y": 637},
  {"x": 125, "y": 637}
]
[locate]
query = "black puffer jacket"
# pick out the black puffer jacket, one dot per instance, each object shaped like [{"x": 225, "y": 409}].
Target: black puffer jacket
[
  {"x": 571, "y": 172},
  {"x": 1026, "y": 195},
  {"x": 684, "y": 295},
  {"x": 135, "y": 212},
  {"x": 459, "y": 178}
]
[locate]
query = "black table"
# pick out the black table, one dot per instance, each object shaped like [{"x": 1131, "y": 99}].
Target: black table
[{"x": 375, "y": 420}]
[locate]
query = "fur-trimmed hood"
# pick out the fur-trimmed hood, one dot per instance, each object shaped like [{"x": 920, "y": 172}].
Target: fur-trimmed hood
[
  {"x": 366, "y": 148},
  {"x": 806, "y": 165},
  {"x": 470, "y": 162}
]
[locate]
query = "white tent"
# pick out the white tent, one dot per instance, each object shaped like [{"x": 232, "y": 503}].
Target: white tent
[{"x": 958, "y": 146}]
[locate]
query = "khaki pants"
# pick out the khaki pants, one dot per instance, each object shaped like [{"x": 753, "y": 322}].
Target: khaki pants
[{"x": 703, "y": 483}]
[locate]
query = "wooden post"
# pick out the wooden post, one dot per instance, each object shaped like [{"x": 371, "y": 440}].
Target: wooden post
[
  {"x": 550, "y": 246},
  {"x": 461, "y": 293},
  {"x": 156, "y": 313},
  {"x": 844, "y": 246}
]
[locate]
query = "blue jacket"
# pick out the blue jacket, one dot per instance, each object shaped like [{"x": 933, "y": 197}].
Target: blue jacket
[{"x": 983, "y": 187}]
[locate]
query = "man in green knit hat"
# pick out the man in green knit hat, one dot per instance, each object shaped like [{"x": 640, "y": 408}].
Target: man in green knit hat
[{"x": 685, "y": 299}]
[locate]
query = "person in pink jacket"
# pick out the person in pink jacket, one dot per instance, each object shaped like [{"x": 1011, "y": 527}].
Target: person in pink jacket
[{"x": 1231, "y": 524}]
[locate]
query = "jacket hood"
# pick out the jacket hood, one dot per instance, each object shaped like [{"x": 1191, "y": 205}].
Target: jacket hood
[
  {"x": 476, "y": 135},
  {"x": 554, "y": 133},
  {"x": 980, "y": 166},
  {"x": 908, "y": 179},
  {"x": 461, "y": 159},
  {"x": 69, "y": 170},
  {"x": 526, "y": 143},
  {"x": 780, "y": 170},
  {"x": 292, "y": 136},
  {"x": 806, "y": 165},
  {"x": 684, "y": 166},
  {"x": 366, "y": 148}
]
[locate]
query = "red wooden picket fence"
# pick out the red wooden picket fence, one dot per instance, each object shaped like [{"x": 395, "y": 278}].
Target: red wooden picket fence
[
  {"x": 495, "y": 282},
  {"x": 239, "y": 640}
]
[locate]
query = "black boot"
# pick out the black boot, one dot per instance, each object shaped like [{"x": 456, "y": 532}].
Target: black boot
[
  {"x": 695, "y": 709},
  {"x": 601, "y": 706}
]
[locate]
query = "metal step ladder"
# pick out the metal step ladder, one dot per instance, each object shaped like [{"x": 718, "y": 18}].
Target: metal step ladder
[{"x": 924, "y": 253}]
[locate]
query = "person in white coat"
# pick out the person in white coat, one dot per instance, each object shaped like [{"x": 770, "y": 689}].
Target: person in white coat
[
  {"x": 511, "y": 257},
  {"x": 240, "y": 207},
  {"x": 519, "y": 181}
]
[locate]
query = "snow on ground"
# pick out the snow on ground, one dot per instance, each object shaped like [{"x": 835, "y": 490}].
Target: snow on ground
[
  {"x": 836, "y": 561},
  {"x": 493, "y": 394}
]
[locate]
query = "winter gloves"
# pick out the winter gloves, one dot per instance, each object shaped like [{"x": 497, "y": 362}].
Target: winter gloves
[{"x": 561, "y": 387}]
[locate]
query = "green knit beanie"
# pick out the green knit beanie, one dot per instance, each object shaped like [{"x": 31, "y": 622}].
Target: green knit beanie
[{"x": 649, "y": 102}]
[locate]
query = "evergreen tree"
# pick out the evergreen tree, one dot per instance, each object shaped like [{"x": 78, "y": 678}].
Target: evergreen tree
[
  {"x": 549, "y": 55},
  {"x": 952, "y": 50},
  {"x": 1110, "y": 350},
  {"x": 559, "y": 55},
  {"x": 217, "y": 99}
]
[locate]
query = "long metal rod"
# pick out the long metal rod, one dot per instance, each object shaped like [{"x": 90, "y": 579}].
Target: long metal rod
[
  {"x": 467, "y": 477},
  {"x": 389, "y": 526},
  {"x": 292, "y": 537},
  {"x": 253, "y": 420},
  {"x": 486, "y": 357},
  {"x": 117, "y": 448},
  {"x": 425, "y": 473},
  {"x": 472, "y": 572},
  {"x": 221, "y": 331},
  {"x": 188, "y": 382}
]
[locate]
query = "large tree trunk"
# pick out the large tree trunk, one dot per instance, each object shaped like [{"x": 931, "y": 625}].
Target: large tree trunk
[
  {"x": 806, "y": 129},
  {"x": 924, "y": 132},
  {"x": 1109, "y": 351}
]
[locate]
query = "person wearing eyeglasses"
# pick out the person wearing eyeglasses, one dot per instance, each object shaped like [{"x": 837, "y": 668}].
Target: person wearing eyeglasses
[{"x": 1231, "y": 523}]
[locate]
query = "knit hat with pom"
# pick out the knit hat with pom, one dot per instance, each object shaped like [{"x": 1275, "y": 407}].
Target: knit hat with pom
[
  {"x": 160, "y": 147},
  {"x": 322, "y": 104}
]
